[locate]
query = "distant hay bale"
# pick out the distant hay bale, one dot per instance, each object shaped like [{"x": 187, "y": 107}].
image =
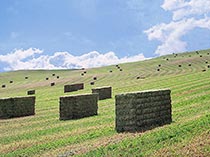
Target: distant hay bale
[
  {"x": 31, "y": 92},
  {"x": 141, "y": 111},
  {"x": 52, "y": 84},
  {"x": 78, "y": 106},
  {"x": 3, "y": 86},
  {"x": 73, "y": 87},
  {"x": 103, "y": 92},
  {"x": 17, "y": 107}
]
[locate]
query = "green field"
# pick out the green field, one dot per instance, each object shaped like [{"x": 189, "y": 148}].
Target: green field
[{"x": 44, "y": 135}]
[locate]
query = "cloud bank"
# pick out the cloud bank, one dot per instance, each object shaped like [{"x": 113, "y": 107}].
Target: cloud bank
[
  {"x": 187, "y": 15},
  {"x": 33, "y": 58}
]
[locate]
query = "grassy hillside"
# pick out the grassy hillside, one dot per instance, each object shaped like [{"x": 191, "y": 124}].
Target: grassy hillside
[{"x": 44, "y": 135}]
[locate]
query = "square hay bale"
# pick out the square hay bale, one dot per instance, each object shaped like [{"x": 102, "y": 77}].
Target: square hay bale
[
  {"x": 31, "y": 92},
  {"x": 17, "y": 107},
  {"x": 140, "y": 111},
  {"x": 103, "y": 92},
  {"x": 73, "y": 87},
  {"x": 78, "y": 106},
  {"x": 52, "y": 84}
]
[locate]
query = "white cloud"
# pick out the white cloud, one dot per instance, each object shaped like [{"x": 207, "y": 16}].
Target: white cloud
[
  {"x": 26, "y": 59},
  {"x": 187, "y": 15}
]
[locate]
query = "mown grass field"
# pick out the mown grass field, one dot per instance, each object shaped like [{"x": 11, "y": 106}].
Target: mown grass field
[{"x": 44, "y": 135}]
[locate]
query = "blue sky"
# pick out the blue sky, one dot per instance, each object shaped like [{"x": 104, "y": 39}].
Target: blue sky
[{"x": 53, "y": 34}]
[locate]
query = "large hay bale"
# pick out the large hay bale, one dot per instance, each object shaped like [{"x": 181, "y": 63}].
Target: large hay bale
[
  {"x": 73, "y": 87},
  {"x": 3, "y": 86},
  {"x": 17, "y": 107},
  {"x": 103, "y": 92},
  {"x": 78, "y": 106},
  {"x": 141, "y": 111}
]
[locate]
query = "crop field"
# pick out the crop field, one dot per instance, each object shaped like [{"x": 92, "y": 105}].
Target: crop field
[{"x": 186, "y": 74}]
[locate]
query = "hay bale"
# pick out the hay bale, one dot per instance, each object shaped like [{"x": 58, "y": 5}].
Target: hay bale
[
  {"x": 17, "y": 107},
  {"x": 141, "y": 111},
  {"x": 52, "y": 84},
  {"x": 31, "y": 92},
  {"x": 73, "y": 87},
  {"x": 103, "y": 92},
  {"x": 78, "y": 106},
  {"x": 3, "y": 86}
]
